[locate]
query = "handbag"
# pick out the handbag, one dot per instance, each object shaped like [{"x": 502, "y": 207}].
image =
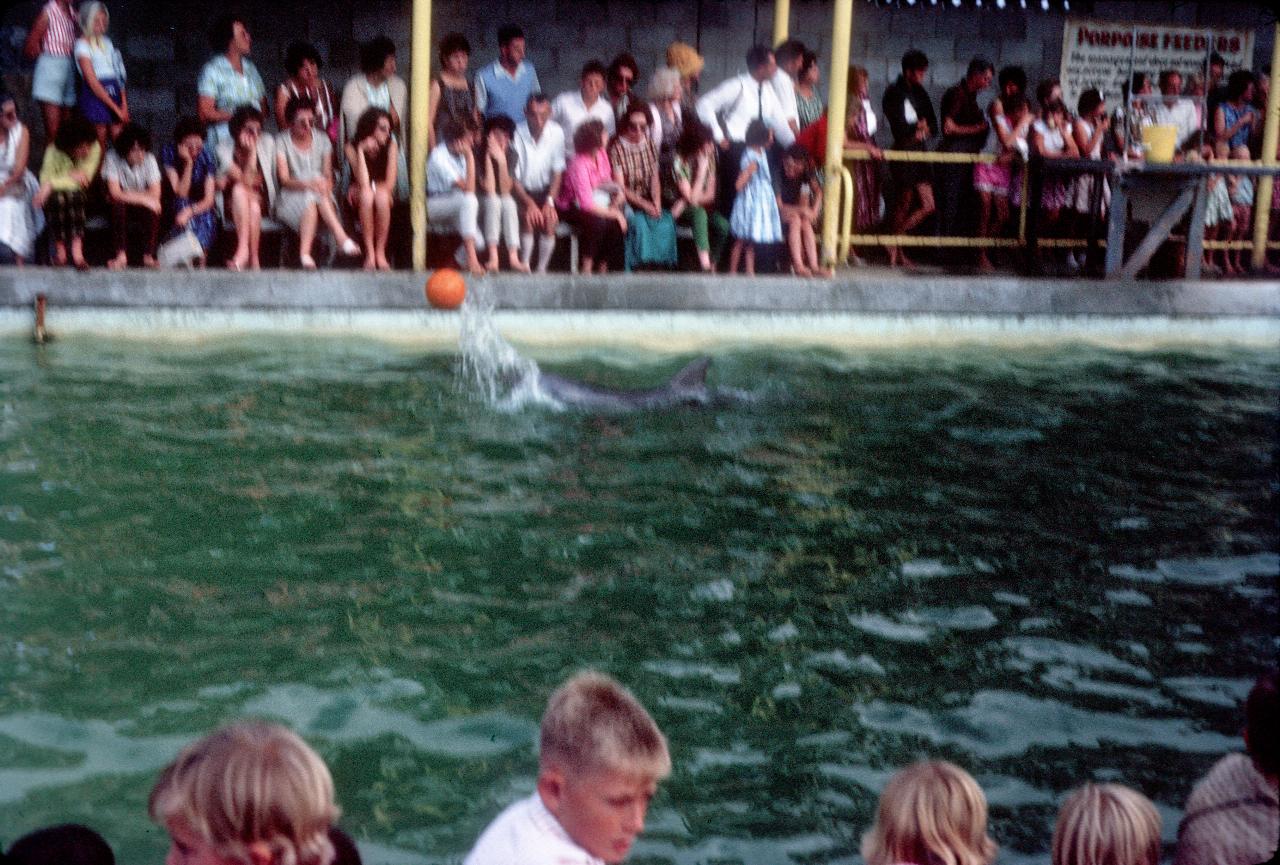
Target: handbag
[{"x": 183, "y": 250}]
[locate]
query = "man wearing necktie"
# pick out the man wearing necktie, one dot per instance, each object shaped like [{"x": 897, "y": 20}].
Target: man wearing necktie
[{"x": 727, "y": 110}]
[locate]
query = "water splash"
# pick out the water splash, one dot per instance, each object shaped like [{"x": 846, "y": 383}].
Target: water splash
[{"x": 491, "y": 368}]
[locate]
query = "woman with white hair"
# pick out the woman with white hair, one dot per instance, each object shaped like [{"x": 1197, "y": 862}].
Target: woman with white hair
[
  {"x": 666, "y": 114},
  {"x": 101, "y": 96},
  {"x": 666, "y": 123}
]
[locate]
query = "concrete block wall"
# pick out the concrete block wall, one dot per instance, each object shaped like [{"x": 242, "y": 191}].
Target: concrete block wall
[{"x": 165, "y": 44}]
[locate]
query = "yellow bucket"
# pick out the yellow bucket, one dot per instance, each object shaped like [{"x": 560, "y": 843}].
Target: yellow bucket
[{"x": 1158, "y": 141}]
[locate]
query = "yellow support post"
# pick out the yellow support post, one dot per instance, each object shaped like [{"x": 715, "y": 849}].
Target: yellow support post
[
  {"x": 419, "y": 92},
  {"x": 781, "y": 21},
  {"x": 837, "y": 105},
  {"x": 1270, "y": 134}
]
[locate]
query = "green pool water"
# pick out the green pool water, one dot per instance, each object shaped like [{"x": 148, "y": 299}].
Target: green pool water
[{"x": 1047, "y": 564}]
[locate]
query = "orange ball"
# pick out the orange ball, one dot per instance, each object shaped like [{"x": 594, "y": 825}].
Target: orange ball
[{"x": 446, "y": 289}]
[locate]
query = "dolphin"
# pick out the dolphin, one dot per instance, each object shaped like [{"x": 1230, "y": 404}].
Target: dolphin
[{"x": 687, "y": 387}]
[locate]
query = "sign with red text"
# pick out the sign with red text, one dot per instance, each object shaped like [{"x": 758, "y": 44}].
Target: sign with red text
[{"x": 1102, "y": 54}]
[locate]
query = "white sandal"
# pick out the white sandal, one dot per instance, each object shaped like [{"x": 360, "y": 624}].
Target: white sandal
[{"x": 308, "y": 263}]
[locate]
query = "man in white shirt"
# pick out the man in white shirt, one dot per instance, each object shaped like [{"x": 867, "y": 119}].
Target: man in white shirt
[
  {"x": 540, "y": 164},
  {"x": 731, "y": 106},
  {"x": 451, "y": 190},
  {"x": 790, "y": 56},
  {"x": 573, "y": 108},
  {"x": 1174, "y": 111},
  {"x": 600, "y": 759}
]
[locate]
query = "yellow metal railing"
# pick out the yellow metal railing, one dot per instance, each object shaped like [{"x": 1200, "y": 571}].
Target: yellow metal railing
[{"x": 847, "y": 238}]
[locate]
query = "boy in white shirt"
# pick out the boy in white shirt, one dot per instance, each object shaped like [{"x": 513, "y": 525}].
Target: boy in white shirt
[{"x": 600, "y": 761}]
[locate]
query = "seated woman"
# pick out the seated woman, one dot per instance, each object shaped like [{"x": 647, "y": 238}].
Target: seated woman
[
  {"x": 373, "y": 155},
  {"x": 651, "y": 232},
  {"x": 18, "y": 185},
  {"x": 248, "y": 182},
  {"x": 494, "y": 166},
  {"x": 133, "y": 188},
  {"x": 694, "y": 175},
  {"x": 378, "y": 86},
  {"x": 69, "y": 167},
  {"x": 191, "y": 172},
  {"x": 304, "y": 167},
  {"x": 590, "y": 201},
  {"x": 451, "y": 189}
]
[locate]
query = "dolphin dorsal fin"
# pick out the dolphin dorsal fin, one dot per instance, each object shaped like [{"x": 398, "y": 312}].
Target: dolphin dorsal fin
[{"x": 693, "y": 376}]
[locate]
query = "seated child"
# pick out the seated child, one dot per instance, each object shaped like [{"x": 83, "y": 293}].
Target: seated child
[
  {"x": 800, "y": 203},
  {"x": 68, "y": 844},
  {"x": 252, "y": 793},
  {"x": 1107, "y": 824},
  {"x": 930, "y": 813},
  {"x": 133, "y": 188},
  {"x": 600, "y": 762},
  {"x": 451, "y": 189},
  {"x": 495, "y": 163},
  {"x": 69, "y": 167}
]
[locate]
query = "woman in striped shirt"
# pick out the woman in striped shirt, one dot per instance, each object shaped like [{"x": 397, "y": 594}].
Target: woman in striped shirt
[{"x": 49, "y": 44}]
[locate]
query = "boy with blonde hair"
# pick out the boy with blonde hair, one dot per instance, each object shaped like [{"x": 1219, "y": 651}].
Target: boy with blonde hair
[
  {"x": 600, "y": 760},
  {"x": 252, "y": 793},
  {"x": 1107, "y": 824}
]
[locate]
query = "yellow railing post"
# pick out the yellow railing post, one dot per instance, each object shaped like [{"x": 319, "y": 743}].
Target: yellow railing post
[
  {"x": 781, "y": 21},
  {"x": 1270, "y": 133},
  {"x": 837, "y": 109},
  {"x": 419, "y": 92}
]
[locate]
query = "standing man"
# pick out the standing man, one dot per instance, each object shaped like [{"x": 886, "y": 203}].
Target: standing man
[
  {"x": 573, "y": 108},
  {"x": 505, "y": 85},
  {"x": 912, "y": 122},
  {"x": 1174, "y": 110},
  {"x": 790, "y": 56},
  {"x": 623, "y": 72},
  {"x": 964, "y": 130},
  {"x": 730, "y": 106},
  {"x": 539, "y": 169}
]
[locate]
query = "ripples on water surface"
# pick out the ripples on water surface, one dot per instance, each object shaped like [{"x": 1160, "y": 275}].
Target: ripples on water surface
[{"x": 1047, "y": 565}]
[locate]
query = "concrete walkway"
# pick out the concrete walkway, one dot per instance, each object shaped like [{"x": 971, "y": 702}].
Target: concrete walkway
[{"x": 867, "y": 291}]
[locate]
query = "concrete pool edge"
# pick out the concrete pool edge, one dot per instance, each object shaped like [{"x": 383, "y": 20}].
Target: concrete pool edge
[
  {"x": 869, "y": 291},
  {"x": 542, "y": 331}
]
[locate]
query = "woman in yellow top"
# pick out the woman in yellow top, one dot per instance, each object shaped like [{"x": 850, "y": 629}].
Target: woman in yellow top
[{"x": 69, "y": 167}]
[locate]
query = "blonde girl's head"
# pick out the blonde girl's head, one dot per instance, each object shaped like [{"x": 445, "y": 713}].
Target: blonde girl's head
[
  {"x": 89, "y": 13},
  {"x": 253, "y": 793},
  {"x": 930, "y": 813},
  {"x": 1107, "y": 824}
]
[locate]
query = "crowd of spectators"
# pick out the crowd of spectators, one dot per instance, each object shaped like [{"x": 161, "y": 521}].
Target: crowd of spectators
[
  {"x": 509, "y": 167},
  {"x": 255, "y": 793}
]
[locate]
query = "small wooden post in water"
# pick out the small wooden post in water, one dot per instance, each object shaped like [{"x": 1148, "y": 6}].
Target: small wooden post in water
[{"x": 40, "y": 335}]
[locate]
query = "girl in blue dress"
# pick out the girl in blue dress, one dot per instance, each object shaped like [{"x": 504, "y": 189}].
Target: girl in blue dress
[{"x": 755, "y": 217}]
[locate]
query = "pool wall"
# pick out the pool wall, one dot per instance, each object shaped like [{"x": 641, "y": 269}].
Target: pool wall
[{"x": 676, "y": 312}]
